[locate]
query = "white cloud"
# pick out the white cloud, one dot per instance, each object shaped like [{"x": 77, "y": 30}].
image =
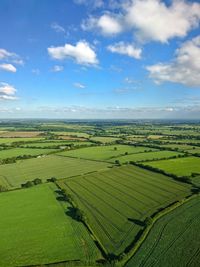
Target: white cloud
[
  {"x": 82, "y": 53},
  {"x": 57, "y": 68},
  {"x": 154, "y": 20},
  {"x": 126, "y": 49},
  {"x": 106, "y": 24},
  {"x": 57, "y": 28},
  {"x": 184, "y": 69},
  {"x": 7, "y": 91},
  {"x": 7, "y": 67},
  {"x": 148, "y": 20},
  {"x": 35, "y": 71},
  {"x": 10, "y": 56},
  {"x": 79, "y": 85}
]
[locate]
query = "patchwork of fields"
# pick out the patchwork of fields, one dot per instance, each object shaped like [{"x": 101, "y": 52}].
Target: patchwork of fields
[
  {"x": 105, "y": 152},
  {"x": 13, "y": 175},
  {"x": 36, "y": 230},
  {"x": 173, "y": 240},
  {"x": 117, "y": 201}
]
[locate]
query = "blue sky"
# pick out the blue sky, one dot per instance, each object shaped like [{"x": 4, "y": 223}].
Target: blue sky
[{"x": 99, "y": 59}]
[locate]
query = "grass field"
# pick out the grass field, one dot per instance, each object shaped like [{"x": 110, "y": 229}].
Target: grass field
[
  {"x": 56, "y": 143},
  {"x": 20, "y": 134},
  {"x": 117, "y": 201},
  {"x": 181, "y": 166},
  {"x": 9, "y": 141},
  {"x": 103, "y": 139},
  {"x": 147, "y": 156},
  {"x": 15, "y": 152},
  {"x": 173, "y": 240},
  {"x": 46, "y": 167},
  {"x": 104, "y": 152},
  {"x": 36, "y": 230}
]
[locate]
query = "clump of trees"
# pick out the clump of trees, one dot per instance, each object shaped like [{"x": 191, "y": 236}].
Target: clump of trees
[{"x": 28, "y": 184}]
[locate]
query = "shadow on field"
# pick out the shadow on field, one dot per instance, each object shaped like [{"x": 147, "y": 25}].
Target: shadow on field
[{"x": 135, "y": 221}]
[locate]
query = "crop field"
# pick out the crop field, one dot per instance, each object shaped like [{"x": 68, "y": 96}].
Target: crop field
[
  {"x": 180, "y": 166},
  {"x": 20, "y": 134},
  {"x": 173, "y": 240},
  {"x": 179, "y": 147},
  {"x": 103, "y": 139},
  {"x": 117, "y": 201},
  {"x": 36, "y": 230},
  {"x": 9, "y": 141},
  {"x": 105, "y": 152},
  {"x": 15, "y": 152},
  {"x": 147, "y": 156},
  {"x": 46, "y": 167},
  {"x": 55, "y": 143}
]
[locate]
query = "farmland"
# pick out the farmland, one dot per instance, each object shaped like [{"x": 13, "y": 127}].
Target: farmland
[
  {"x": 16, "y": 152},
  {"x": 46, "y": 167},
  {"x": 46, "y": 235},
  {"x": 117, "y": 201},
  {"x": 169, "y": 245},
  {"x": 99, "y": 194},
  {"x": 104, "y": 152},
  {"x": 181, "y": 166}
]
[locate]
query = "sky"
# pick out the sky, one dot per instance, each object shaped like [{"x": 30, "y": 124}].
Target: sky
[{"x": 95, "y": 59}]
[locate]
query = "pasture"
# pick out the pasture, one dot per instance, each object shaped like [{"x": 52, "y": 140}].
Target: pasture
[
  {"x": 35, "y": 229},
  {"x": 13, "y": 175},
  {"x": 20, "y": 134},
  {"x": 56, "y": 143},
  {"x": 104, "y": 140},
  {"x": 105, "y": 152},
  {"x": 147, "y": 156},
  {"x": 173, "y": 240},
  {"x": 9, "y": 141},
  {"x": 16, "y": 152},
  {"x": 180, "y": 166},
  {"x": 117, "y": 201}
]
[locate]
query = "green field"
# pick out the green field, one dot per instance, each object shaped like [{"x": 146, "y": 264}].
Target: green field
[
  {"x": 13, "y": 175},
  {"x": 104, "y": 140},
  {"x": 56, "y": 143},
  {"x": 9, "y": 141},
  {"x": 147, "y": 156},
  {"x": 15, "y": 152},
  {"x": 173, "y": 240},
  {"x": 117, "y": 201},
  {"x": 181, "y": 166},
  {"x": 36, "y": 230},
  {"x": 104, "y": 152}
]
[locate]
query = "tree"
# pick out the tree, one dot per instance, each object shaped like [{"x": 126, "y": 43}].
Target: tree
[
  {"x": 115, "y": 148},
  {"x": 37, "y": 181}
]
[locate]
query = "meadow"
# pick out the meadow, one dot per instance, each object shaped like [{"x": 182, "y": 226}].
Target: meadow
[
  {"x": 36, "y": 230},
  {"x": 9, "y": 141},
  {"x": 55, "y": 143},
  {"x": 180, "y": 166},
  {"x": 147, "y": 156},
  {"x": 104, "y": 152},
  {"x": 13, "y": 175},
  {"x": 117, "y": 201},
  {"x": 16, "y": 152},
  {"x": 173, "y": 240}
]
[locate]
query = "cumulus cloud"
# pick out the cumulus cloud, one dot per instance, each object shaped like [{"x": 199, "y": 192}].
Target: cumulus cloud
[
  {"x": 57, "y": 28},
  {"x": 57, "y": 68},
  {"x": 82, "y": 53},
  {"x": 106, "y": 24},
  {"x": 79, "y": 85},
  {"x": 7, "y": 91},
  {"x": 183, "y": 69},
  {"x": 126, "y": 49},
  {"x": 148, "y": 19},
  {"x": 7, "y": 67},
  {"x": 154, "y": 20}
]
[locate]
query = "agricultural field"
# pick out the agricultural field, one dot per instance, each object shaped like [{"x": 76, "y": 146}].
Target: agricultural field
[
  {"x": 105, "y": 152},
  {"x": 46, "y": 167},
  {"x": 171, "y": 246},
  {"x": 21, "y": 134},
  {"x": 36, "y": 230},
  {"x": 180, "y": 166},
  {"x": 104, "y": 140},
  {"x": 16, "y": 152},
  {"x": 56, "y": 143},
  {"x": 116, "y": 202},
  {"x": 10, "y": 141},
  {"x": 156, "y": 155}
]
